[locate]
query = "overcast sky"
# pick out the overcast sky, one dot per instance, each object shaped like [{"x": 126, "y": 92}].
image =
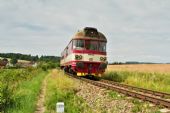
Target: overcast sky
[{"x": 137, "y": 30}]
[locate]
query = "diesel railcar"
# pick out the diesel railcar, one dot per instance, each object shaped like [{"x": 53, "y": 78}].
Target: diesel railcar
[{"x": 86, "y": 53}]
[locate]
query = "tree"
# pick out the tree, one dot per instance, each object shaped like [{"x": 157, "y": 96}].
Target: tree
[{"x": 13, "y": 61}]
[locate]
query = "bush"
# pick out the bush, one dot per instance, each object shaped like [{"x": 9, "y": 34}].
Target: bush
[
  {"x": 9, "y": 81},
  {"x": 48, "y": 65}
]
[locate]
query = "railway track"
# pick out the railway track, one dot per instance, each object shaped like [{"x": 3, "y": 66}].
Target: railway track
[
  {"x": 152, "y": 92},
  {"x": 158, "y": 98}
]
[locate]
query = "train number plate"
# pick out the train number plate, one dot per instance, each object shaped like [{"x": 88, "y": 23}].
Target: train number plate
[{"x": 90, "y": 59}]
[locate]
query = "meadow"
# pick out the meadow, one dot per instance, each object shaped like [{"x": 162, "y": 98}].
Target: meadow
[
  {"x": 157, "y": 68},
  {"x": 150, "y": 76}
]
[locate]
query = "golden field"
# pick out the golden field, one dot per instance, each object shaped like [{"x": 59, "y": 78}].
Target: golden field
[
  {"x": 158, "y": 68},
  {"x": 150, "y": 76}
]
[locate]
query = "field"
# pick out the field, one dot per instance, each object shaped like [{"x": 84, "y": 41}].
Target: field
[
  {"x": 150, "y": 76},
  {"x": 159, "y": 68}
]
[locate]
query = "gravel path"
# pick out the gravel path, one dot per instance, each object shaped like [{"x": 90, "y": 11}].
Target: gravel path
[{"x": 40, "y": 103}]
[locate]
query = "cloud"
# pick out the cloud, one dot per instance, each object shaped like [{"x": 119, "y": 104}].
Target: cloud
[{"x": 135, "y": 29}]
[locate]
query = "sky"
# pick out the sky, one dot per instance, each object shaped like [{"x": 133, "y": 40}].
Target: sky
[{"x": 136, "y": 30}]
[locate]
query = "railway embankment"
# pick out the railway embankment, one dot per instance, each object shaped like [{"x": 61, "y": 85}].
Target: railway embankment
[{"x": 80, "y": 96}]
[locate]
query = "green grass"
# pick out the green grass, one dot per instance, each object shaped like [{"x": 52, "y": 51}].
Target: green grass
[
  {"x": 137, "y": 106},
  {"x": 115, "y": 76},
  {"x": 143, "y": 107},
  {"x": 154, "y": 81},
  {"x": 25, "y": 95},
  {"x": 63, "y": 89},
  {"x": 115, "y": 95}
]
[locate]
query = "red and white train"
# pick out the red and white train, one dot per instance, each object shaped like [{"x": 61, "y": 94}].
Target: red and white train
[{"x": 85, "y": 54}]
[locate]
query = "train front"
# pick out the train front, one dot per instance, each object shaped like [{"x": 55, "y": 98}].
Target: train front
[{"x": 89, "y": 49}]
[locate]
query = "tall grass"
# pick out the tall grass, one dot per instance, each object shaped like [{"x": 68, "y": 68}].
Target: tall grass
[
  {"x": 18, "y": 87},
  {"x": 63, "y": 89},
  {"x": 154, "y": 81},
  {"x": 115, "y": 76}
]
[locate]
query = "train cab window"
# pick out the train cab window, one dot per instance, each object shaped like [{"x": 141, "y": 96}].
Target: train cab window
[
  {"x": 78, "y": 44},
  {"x": 91, "y": 45},
  {"x": 102, "y": 46}
]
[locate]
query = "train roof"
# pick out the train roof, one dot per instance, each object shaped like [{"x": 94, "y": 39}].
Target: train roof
[{"x": 89, "y": 33}]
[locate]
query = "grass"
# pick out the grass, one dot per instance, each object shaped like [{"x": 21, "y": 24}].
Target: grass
[
  {"x": 25, "y": 96},
  {"x": 63, "y": 89},
  {"x": 143, "y": 107},
  {"x": 137, "y": 106},
  {"x": 115, "y": 76},
  {"x": 115, "y": 95},
  {"x": 154, "y": 81}
]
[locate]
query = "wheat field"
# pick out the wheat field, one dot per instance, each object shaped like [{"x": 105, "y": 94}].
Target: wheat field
[
  {"x": 159, "y": 68},
  {"x": 150, "y": 76}
]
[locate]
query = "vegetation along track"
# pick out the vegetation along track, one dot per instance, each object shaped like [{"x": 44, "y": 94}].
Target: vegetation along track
[
  {"x": 140, "y": 93},
  {"x": 151, "y": 92}
]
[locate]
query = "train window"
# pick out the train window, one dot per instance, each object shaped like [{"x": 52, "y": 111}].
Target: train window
[
  {"x": 91, "y": 45},
  {"x": 102, "y": 46},
  {"x": 78, "y": 44},
  {"x": 69, "y": 47}
]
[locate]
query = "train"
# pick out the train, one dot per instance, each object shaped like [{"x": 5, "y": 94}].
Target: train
[{"x": 85, "y": 54}]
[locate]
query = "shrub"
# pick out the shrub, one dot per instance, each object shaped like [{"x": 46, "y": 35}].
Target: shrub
[
  {"x": 48, "y": 65},
  {"x": 9, "y": 81}
]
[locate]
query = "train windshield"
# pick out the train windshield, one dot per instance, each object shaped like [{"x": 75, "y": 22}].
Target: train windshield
[
  {"x": 102, "y": 46},
  {"x": 78, "y": 44},
  {"x": 91, "y": 45}
]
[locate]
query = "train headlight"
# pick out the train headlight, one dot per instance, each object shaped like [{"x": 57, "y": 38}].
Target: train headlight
[
  {"x": 103, "y": 58},
  {"x": 78, "y": 57}
]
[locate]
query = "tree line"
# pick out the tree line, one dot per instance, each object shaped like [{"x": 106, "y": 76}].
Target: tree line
[
  {"x": 19, "y": 56},
  {"x": 132, "y": 62}
]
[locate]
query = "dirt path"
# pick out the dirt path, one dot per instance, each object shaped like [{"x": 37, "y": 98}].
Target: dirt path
[{"x": 40, "y": 103}]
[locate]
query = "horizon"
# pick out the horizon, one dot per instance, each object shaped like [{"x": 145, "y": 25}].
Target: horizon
[
  {"x": 136, "y": 30},
  {"x": 143, "y": 62}
]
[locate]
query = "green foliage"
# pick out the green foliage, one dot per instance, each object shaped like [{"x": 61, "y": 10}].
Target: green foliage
[
  {"x": 10, "y": 80},
  {"x": 115, "y": 95},
  {"x": 29, "y": 57},
  {"x": 153, "y": 81},
  {"x": 115, "y": 76},
  {"x": 143, "y": 107},
  {"x": 138, "y": 106},
  {"x": 19, "y": 56},
  {"x": 48, "y": 65},
  {"x": 13, "y": 61},
  {"x": 63, "y": 89},
  {"x": 50, "y": 59},
  {"x": 26, "y": 94}
]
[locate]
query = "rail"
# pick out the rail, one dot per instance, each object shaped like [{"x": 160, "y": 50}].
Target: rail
[{"x": 140, "y": 93}]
